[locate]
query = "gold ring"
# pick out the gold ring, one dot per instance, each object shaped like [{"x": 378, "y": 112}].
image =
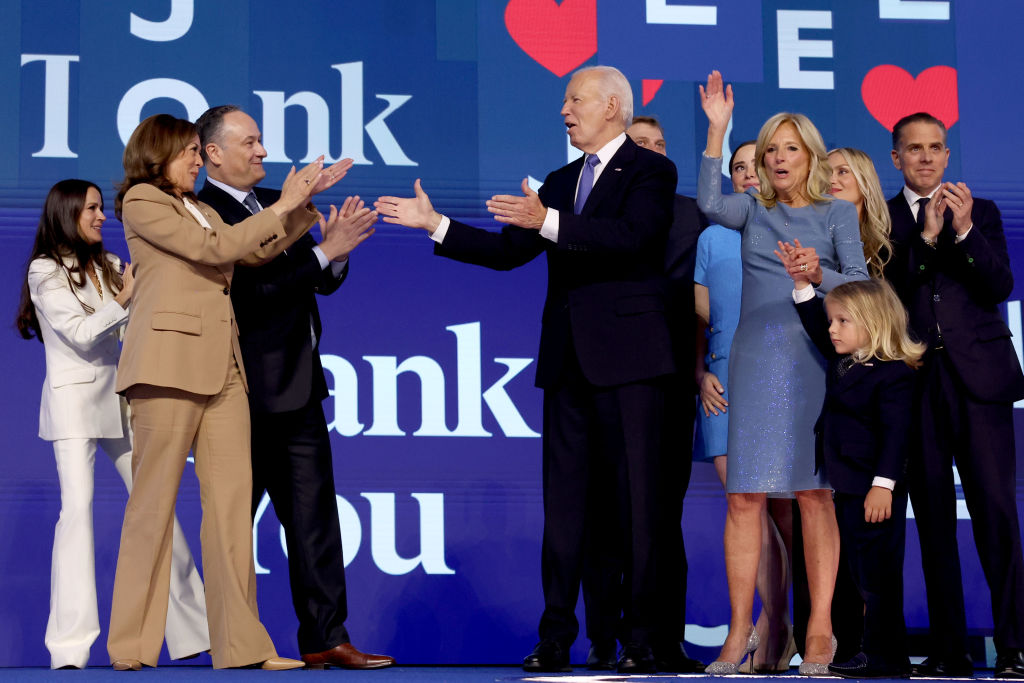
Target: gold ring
[
  {"x": 803, "y": 267},
  {"x": 307, "y": 181}
]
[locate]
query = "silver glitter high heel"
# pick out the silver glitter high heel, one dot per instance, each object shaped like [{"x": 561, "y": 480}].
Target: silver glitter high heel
[
  {"x": 817, "y": 668},
  {"x": 723, "y": 668}
]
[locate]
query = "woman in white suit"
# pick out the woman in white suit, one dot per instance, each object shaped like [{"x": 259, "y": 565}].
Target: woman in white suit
[{"x": 75, "y": 300}]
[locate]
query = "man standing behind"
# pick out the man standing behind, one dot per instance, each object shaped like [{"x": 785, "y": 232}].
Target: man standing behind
[
  {"x": 951, "y": 269},
  {"x": 605, "y": 352},
  {"x": 279, "y": 332}
]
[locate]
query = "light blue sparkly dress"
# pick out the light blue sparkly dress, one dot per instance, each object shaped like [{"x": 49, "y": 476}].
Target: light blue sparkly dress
[{"x": 776, "y": 376}]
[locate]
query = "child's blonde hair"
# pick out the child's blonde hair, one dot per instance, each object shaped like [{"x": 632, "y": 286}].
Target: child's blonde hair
[{"x": 874, "y": 305}]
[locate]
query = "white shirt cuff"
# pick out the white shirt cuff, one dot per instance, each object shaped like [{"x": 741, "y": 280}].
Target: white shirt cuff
[
  {"x": 804, "y": 294},
  {"x": 550, "y": 228},
  {"x": 961, "y": 238},
  {"x": 441, "y": 230},
  {"x": 320, "y": 257},
  {"x": 883, "y": 482}
]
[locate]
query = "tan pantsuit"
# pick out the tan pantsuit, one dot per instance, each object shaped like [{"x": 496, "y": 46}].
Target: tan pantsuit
[{"x": 181, "y": 370}]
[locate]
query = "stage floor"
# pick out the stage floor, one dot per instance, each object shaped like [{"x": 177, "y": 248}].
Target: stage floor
[{"x": 405, "y": 674}]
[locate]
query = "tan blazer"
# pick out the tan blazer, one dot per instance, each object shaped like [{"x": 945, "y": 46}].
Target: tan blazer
[{"x": 181, "y": 332}]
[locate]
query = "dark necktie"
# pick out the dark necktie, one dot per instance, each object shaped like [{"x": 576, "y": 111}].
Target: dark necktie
[
  {"x": 251, "y": 203},
  {"x": 586, "y": 182},
  {"x": 922, "y": 205}
]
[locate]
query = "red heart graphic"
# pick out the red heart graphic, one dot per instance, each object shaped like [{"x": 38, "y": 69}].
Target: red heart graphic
[
  {"x": 559, "y": 37},
  {"x": 890, "y": 93}
]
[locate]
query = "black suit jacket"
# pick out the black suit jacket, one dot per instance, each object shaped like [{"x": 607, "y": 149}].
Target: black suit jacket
[
  {"x": 865, "y": 424},
  {"x": 275, "y": 305},
  {"x": 606, "y": 296},
  {"x": 680, "y": 260},
  {"x": 956, "y": 289}
]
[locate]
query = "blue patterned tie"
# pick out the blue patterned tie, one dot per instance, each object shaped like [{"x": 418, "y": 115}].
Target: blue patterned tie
[
  {"x": 586, "y": 182},
  {"x": 251, "y": 203}
]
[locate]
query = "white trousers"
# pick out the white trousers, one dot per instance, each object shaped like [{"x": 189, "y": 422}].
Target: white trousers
[{"x": 73, "y": 624}]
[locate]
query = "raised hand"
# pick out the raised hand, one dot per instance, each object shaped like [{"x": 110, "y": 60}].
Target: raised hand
[
  {"x": 127, "y": 286},
  {"x": 717, "y": 102},
  {"x": 346, "y": 229},
  {"x": 298, "y": 187},
  {"x": 330, "y": 175},
  {"x": 412, "y": 212},
  {"x": 526, "y": 211}
]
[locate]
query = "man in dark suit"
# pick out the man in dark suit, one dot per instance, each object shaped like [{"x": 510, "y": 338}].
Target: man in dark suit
[
  {"x": 951, "y": 269},
  {"x": 602, "y": 573},
  {"x": 279, "y": 333},
  {"x": 605, "y": 349}
]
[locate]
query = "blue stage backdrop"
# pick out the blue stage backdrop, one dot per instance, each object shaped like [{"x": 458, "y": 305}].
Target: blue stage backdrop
[{"x": 434, "y": 417}]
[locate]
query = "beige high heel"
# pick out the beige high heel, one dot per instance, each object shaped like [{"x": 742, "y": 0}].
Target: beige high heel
[{"x": 817, "y": 668}]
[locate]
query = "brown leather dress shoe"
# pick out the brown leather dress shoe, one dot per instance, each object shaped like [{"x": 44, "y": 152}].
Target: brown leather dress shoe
[
  {"x": 126, "y": 665},
  {"x": 346, "y": 656},
  {"x": 281, "y": 664}
]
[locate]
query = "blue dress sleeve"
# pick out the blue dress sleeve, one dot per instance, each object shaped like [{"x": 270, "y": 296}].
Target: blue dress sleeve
[
  {"x": 841, "y": 222},
  {"x": 729, "y": 210},
  {"x": 700, "y": 270}
]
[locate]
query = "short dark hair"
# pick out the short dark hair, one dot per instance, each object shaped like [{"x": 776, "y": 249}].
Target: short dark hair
[
  {"x": 740, "y": 146},
  {"x": 919, "y": 117},
  {"x": 209, "y": 125},
  {"x": 650, "y": 121}
]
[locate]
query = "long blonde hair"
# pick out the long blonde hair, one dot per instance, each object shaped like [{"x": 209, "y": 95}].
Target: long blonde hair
[
  {"x": 873, "y": 304},
  {"x": 819, "y": 176},
  {"x": 875, "y": 222}
]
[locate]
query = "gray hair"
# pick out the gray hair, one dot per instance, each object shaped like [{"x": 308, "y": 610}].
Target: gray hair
[{"x": 612, "y": 83}]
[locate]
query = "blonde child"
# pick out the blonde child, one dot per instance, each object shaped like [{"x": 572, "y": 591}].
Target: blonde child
[{"x": 862, "y": 437}]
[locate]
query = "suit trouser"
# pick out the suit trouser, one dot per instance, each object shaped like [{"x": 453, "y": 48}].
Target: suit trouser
[
  {"x": 980, "y": 438},
  {"x": 167, "y": 423},
  {"x": 73, "y": 624},
  {"x": 291, "y": 460},
  {"x": 603, "y": 566},
  {"x": 874, "y": 556},
  {"x": 617, "y": 429}
]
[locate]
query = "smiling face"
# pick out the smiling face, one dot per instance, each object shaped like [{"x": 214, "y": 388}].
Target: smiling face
[
  {"x": 844, "y": 184},
  {"x": 236, "y": 157},
  {"x": 922, "y": 156},
  {"x": 788, "y": 164},
  {"x": 647, "y": 136},
  {"x": 847, "y": 336},
  {"x": 184, "y": 168},
  {"x": 592, "y": 120},
  {"x": 90, "y": 220},
  {"x": 744, "y": 170}
]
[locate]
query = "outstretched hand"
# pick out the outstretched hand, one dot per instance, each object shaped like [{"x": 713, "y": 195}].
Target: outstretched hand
[
  {"x": 412, "y": 212},
  {"x": 526, "y": 211}
]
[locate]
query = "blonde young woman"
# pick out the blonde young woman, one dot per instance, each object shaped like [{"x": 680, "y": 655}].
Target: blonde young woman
[
  {"x": 776, "y": 376},
  {"x": 855, "y": 179}
]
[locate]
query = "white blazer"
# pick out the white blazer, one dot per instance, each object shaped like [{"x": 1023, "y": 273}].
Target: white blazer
[{"x": 82, "y": 349}]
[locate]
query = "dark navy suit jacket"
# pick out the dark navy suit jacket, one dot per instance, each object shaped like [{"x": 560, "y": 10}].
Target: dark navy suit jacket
[{"x": 606, "y": 294}]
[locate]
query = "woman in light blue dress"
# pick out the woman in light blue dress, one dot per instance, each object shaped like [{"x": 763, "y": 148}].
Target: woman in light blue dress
[{"x": 777, "y": 380}]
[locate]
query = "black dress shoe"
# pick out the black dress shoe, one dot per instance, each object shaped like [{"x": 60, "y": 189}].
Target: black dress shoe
[
  {"x": 549, "y": 656},
  {"x": 636, "y": 658},
  {"x": 673, "y": 659},
  {"x": 862, "y": 666},
  {"x": 1009, "y": 664},
  {"x": 949, "y": 667},
  {"x": 602, "y": 657}
]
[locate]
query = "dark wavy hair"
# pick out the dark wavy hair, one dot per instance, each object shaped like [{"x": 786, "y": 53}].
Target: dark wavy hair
[
  {"x": 57, "y": 238},
  {"x": 155, "y": 143}
]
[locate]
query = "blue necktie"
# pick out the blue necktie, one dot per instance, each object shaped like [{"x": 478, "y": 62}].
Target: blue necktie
[
  {"x": 586, "y": 182},
  {"x": 251, "y": 203}
]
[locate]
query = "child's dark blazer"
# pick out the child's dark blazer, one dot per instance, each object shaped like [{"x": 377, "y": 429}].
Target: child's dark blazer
[{"x": 865, "y": 425}]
